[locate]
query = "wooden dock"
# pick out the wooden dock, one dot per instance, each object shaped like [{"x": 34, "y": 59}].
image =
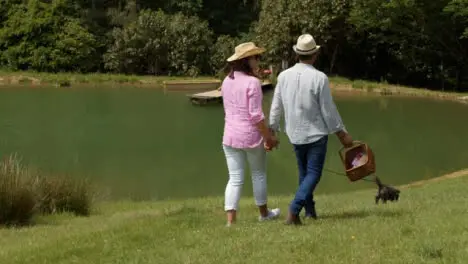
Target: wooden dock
[
  {"x": 214, "y": 96},
  {"x": 206, "y": 97},
  {"x": 192, "y": 86}
]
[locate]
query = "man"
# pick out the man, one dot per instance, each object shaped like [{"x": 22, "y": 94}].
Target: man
[{"x": 303, "y": 93}]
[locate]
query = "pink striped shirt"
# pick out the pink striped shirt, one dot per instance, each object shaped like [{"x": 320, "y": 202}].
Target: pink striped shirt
[{"x": 242, "y": 101}]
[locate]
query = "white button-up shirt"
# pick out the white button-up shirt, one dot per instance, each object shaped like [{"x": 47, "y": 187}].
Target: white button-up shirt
[{"x": 303, "y": 94}]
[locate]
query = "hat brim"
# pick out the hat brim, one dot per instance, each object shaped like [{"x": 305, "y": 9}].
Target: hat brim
[
  {"x": 252, "y": 52},
  {"x": 301, "y": 52}
]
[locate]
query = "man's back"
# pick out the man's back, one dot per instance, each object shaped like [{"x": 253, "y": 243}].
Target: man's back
[{"x": 310, "y": 113}]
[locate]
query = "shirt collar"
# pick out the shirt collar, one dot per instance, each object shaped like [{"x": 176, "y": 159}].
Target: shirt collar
[{"x": 304, "y": 65}]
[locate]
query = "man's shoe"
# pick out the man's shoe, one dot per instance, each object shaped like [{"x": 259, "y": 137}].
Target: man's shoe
[
  {"x": 293, "y": 219},
  {"x": 311, "y": 216}
]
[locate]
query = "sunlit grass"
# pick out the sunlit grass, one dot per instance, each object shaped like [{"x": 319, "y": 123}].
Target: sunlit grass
[{"x": 427, "y": 225}]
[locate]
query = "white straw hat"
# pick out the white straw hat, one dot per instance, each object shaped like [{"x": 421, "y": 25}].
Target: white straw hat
[
  {"x": 245, "y": 50},
  {"x": 306, "y": 45}
]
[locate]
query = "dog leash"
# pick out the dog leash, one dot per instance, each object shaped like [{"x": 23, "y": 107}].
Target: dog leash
[
  {"x": 344, "y": 175},
  {"x": 339, "y": 173}
]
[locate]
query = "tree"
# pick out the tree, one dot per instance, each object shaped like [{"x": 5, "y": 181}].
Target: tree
[
  {"x": 421, "y": 40},
  {"x": 459, "y": 11},
  {"x": 159, "y": 43},
  {"x": 46, "y": 37},
  {"x": 281, "y": 22}
]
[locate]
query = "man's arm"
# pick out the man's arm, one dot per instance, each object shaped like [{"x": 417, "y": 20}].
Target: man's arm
[
  {"x": 276, "y": 109},
  {"x": 331, "y": 115}
]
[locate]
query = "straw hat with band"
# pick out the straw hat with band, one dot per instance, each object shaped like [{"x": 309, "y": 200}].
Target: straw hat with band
[
  {"x": 306, "y": 45},
  {"x": 245, "y": 50}
]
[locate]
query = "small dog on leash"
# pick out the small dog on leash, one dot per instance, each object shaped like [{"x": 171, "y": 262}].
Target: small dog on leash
[{"x": 385, "y": 192}]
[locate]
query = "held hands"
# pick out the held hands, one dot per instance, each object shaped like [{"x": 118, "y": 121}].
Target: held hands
[{"x": 271, "y": 142}]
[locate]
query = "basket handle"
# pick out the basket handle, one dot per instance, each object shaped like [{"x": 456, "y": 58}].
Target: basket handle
[{"x": 341, "y": 151}]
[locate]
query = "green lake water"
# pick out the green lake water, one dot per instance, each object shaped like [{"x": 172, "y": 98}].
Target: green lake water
[{"x": 142, "y": 144}]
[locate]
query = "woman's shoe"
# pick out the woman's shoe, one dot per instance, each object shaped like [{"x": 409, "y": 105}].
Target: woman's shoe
[{"x": 272, "y": 214}]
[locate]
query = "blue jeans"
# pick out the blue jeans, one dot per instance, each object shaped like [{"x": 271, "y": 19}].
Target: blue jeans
[{"x": 310, "y": 160}]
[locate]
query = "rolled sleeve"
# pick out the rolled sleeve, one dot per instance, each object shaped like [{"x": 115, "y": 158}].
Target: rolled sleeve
[
  {"x": 329, "y": 111},
  {"x": 255, "y": 102},
  {"x": 276, "y": 108}
]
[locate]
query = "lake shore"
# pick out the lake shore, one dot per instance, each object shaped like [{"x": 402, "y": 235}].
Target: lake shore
[
  {"x": 69, "y": 79},
  {"x": 344, "y": 86},
  {"x": 339, "y": 85}
]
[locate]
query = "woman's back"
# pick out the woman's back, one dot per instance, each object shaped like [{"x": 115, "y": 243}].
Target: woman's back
[
  {"x": 242, "y": 101},
  {"x": 243, "y": 131}
]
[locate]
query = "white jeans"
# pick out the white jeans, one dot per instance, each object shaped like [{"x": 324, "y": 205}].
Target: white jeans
[{"x": 235, "y": 159}]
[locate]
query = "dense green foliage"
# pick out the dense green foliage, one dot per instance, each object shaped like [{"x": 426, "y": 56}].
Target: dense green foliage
[
  {"x": 156, "y": 42},
  {"x": 413, "y": 42}
]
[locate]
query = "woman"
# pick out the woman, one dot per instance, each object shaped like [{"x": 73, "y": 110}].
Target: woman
[{"x": 245, "y": 131}]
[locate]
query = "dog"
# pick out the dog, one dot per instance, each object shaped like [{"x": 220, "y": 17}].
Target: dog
[{"x": 385, "y": 192}]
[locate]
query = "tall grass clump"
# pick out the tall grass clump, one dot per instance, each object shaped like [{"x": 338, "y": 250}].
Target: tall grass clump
[
  {"x": 60, "y": 194},
  {"x": 25, "y": 193},
  {"x": 18, "y": 198}
]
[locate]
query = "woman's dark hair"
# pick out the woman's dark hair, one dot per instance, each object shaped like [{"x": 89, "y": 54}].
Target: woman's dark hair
[{"x": 241, "y": 65}]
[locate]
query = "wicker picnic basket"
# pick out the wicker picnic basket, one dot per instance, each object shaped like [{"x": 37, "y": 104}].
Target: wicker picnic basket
[{"x": 367, "y": 166}]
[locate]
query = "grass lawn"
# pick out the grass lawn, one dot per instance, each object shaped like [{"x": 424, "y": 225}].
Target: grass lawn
[{"x": 428, "y": 225}]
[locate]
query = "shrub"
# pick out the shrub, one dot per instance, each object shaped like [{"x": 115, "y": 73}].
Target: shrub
[
  {"x": 358, "y": 84},
  {"x": 221, "y": 50},
  {"x": 60, "y": 194},
  {"x": 25, "y": 193},
  {"x": 189, "y": 39},
  {"x": 46, "y": 37},
  {"x": 159, "y": 43},
  {"x": 18, "y": 198}
]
